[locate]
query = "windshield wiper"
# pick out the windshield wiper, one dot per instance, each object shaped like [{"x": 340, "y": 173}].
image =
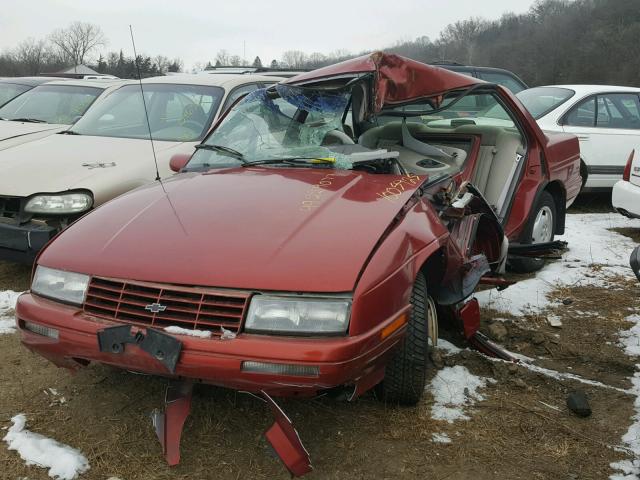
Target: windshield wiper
[
  {"x": 308, "y": 161},
  {"x": 28, "y": 120},
  {"x": 230, "y": 152},
  {"x": 69, "y": 132}
]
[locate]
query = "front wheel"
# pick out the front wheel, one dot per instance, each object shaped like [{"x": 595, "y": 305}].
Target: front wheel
[
  {"x": 541, "y": 229},
  {"x": 406, "y": 373}
]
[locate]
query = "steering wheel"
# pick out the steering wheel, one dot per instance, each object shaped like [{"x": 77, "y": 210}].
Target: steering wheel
[{"x": 337, "y": 137}]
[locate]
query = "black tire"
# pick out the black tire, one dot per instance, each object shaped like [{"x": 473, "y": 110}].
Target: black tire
[
  {"x": 406, "y": 373},
  {"x": 529, "y": 265}
]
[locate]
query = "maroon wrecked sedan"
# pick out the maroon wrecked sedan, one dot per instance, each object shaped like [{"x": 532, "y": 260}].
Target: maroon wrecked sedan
[{"x": 312, "y": 243}]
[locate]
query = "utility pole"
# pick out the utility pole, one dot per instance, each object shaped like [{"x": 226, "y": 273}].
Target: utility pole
[{"x": 244, "y": 52}]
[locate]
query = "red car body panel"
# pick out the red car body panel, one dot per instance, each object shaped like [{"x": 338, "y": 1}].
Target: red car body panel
[
  {"x": 398, "y": 79},
  {"x": 316, "y": 223},
  {"x": 341, "y": 360}
]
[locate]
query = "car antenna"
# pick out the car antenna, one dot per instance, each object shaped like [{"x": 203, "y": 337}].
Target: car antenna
[{"x": 144, "y": 104}]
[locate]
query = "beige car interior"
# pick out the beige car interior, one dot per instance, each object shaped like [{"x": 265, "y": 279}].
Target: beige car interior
[{"x": 501, "y": 150}]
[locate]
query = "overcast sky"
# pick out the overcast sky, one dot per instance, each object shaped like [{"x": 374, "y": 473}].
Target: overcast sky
[{"x": 195, "y": 30}]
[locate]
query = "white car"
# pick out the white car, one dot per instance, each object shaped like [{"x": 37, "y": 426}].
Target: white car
[
  {"x": 606, "y": 120},
  {"x": 48, "y": 183},
  {"x": 48, "y": 108},
  {"x": 626, "y": 192}
]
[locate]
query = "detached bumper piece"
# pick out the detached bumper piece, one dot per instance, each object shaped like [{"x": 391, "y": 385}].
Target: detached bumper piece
[
  {"x": 281, "y": 436},
  {"x": 538, "y": 250},
  {"x": 469, "y": 314},
  {"x": 21, "y": 243},
  {"x": 168, "y": 424},
  {"x": 286, "y": 442},
  {"x": 164, "y": 348}
]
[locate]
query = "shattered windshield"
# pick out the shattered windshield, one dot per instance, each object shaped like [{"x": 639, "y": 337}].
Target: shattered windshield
[{"x": 279, "y": 124}]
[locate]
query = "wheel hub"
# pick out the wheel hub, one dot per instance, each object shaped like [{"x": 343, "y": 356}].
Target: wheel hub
[{"x": 543, "y": 226}]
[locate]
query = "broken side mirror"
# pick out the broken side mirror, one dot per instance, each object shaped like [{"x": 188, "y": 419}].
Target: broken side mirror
[
  {"x": 634, "y": 261},
  {"x": 179, "y": 161}
]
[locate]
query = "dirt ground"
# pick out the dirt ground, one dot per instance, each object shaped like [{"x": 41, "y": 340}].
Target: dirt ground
[{"x": 522, "y": 430}]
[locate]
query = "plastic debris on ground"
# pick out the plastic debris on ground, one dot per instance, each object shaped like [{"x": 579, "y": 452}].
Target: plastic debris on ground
[
  {"x": 63, "y": 461},
  {"x": 440, "y": 438}
]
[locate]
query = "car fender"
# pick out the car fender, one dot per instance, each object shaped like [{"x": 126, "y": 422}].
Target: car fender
[{"x": 385, "y": 283}]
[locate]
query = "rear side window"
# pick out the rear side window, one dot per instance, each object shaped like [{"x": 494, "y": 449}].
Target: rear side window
[
  {"x": 583, "y": 114},
  {"x": 610, "y": 110},
  {"x": 503, "y": 79},
  {"x": 618, "y": 110}
]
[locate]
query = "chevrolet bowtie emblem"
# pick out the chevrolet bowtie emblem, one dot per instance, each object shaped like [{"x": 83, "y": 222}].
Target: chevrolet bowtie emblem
[{"x": 155, "y": 307}]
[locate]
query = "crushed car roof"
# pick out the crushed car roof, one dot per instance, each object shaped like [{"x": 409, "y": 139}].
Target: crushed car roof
[{"x": 397, "y": 79}]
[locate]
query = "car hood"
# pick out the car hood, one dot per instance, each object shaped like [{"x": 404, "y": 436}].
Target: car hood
[
  {"x": 10, "y": 129},
  {"x": 63, "y": 162},
  {"x": 308, "y": 230}
]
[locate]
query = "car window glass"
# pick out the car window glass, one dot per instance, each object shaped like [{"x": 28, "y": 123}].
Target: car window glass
[
  {"x": 9, "y": 91},
  {"x": 502, "y": 79},
  {"x": 59, "y": 104},
  {"x": 176, "y": 112},
  {"x": 542, "y": 100},
  {"x": 237, "y": 93},
  {"x": 618, "y": 110},
  {"x": 583, "y": 114},
  {"x": 475, "y": 108}
]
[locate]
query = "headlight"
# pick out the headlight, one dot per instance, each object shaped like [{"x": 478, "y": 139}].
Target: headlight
[
  {"x": 298, "y": 316},
  {"x": 59, "y": 203},
  {"x": 67, "y": 287}
]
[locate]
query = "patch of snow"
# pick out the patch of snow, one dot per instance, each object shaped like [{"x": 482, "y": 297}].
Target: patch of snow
[
  {"x": 448, "y": 347},
  {"x": 64, "y": 462},
  {"x": 8, "y": 300},
  {"x": 454, "y": 389},
  {"x": 440, "y": 438},
  {"x": 590, "y": 242},
  {"x": 227, "y": 334},
  {"x": 630, "y": 340},
  {"x": 185, "y": 331},
  {"x": 527, "y": 362}
]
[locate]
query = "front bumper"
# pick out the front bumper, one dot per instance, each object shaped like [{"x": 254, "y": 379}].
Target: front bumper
[
  {"x": 625, "y": 198},
  {"x": 343, "y": 361},
  {"x": 21, "y": 243}
]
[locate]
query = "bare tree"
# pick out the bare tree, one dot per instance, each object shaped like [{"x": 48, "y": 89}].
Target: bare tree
[
  {"x": 462, "y": 36},
  {"x": 78, "y": 41},
  {"x": 31, "y": 54},
  {"x": 316, "y": 59},
  {"x": 294, "y": 58},
  {"x": 162, "y": 63},
  {"x": 235, "y": 60},
  {"x": 222, "y": 58}
]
